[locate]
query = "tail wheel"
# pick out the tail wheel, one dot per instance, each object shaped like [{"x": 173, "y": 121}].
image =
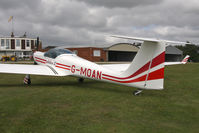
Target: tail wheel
[{"x": 137, "y": 92}]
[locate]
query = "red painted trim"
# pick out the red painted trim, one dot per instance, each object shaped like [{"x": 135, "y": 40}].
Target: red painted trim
[
  {"x": 158, "y": 60},
  {"x": 155, "y": 62},
  {"x": 158, "y": 74},
  {"x": 40, "y": 59},
  {"x": 186, "y": 59},
  {"x": 142, "y": 69},
  {"x": 62, "y": 65},
  {"x": 142, "y": 78}
]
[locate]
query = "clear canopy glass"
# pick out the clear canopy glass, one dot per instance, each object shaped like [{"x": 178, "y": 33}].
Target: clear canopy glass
[{"x": 53, "y": 53}]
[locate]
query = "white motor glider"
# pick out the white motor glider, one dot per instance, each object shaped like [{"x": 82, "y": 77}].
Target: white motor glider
[{"x": 145, "y": 72}]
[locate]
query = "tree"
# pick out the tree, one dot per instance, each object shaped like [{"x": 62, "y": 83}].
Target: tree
[{"x": 192, "y": 50}]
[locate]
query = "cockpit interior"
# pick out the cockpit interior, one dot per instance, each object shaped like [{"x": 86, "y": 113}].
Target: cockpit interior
[{"x": 53, "y": 53}]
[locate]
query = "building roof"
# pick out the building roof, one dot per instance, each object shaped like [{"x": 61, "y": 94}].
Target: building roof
[
  {"x": 123, "y": 47},
  {"x": 128, "y": 47},
  {"x": 80, "y": 46},
  {"x": 16, "y": 37},
  {"x": 173, "y": 50}
]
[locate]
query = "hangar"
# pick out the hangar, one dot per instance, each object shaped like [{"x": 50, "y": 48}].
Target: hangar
[
  {"x": 121, "y": 52},
  {"x": 127, "y": 51},
  {"x": 173, "y": 54}
]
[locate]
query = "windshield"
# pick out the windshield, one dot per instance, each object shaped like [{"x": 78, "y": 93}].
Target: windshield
[{"x": 53, "y": 53}]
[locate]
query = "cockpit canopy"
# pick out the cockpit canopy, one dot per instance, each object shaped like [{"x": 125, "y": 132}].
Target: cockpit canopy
[{"x": 53, "y": 53}]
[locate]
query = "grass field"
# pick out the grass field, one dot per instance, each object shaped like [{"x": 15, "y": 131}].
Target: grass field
[{"x": 61, "y": 105}]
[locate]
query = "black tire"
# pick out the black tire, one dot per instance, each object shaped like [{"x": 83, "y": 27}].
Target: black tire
[{"x": 80, "y": 80}]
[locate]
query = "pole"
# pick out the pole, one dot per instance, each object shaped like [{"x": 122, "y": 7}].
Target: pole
[
  {"x": 13, "y": 24},
  {"x": 12, "y": 27}
]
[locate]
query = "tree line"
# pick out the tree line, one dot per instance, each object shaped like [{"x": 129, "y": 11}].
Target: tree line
[{"x": 190, "y": 49}]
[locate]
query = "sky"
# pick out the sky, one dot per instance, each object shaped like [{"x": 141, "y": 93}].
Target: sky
[{"x": 91, "y": 22}]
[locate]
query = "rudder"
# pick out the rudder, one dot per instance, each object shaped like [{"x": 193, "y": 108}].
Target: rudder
[{"x": 147, "y": 69}]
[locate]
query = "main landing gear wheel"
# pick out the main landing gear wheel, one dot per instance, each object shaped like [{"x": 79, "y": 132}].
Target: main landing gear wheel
[
  {"x": 80, "y": 80},
  {"x": 137, "y": 92},
  {"x": 27, "y": 80}
]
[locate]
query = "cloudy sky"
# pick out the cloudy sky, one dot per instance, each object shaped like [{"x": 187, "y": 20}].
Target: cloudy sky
[{"x": 90, "y": 22}]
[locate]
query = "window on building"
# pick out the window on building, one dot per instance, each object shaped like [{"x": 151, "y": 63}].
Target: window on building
[
  {"x": 22, "y": 44},
  {"x": 7, "y": 44},
  {"x": 18, "y": 43},
  {"x": 32, "y": 44},
  {"x": 2, "y": 42},
  {"x": 28, "y": 43},
  {"x": 97, "y": 53}
]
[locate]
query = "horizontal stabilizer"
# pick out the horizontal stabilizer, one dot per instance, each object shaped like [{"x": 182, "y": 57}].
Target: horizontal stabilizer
[
  {"x": 184, "y": 61},
  {"x": 148, "y": 39}
]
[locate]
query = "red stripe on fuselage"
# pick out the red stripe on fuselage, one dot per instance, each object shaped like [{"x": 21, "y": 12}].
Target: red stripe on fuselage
[
  {"x": 40, "y": 59},
  {"x": 142, "y": 78},
  {"x": 158, "y": 74},
  {"x": 62, "y": 67},
  {"x": 62, "y": 64}
]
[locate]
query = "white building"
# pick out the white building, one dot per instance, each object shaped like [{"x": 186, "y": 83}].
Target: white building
[{"x": 18, "y": 46}]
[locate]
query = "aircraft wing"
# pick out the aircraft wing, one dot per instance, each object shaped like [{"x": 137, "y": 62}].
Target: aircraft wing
[{"x": 29, "y": 69}]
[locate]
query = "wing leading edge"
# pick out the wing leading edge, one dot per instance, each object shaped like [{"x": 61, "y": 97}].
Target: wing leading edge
[{"x": 30, "y": 69}]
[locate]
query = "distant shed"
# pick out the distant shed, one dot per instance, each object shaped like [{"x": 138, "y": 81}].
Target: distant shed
[
  {"x": 121, "y": 52},
  {"x": 173, "y": 54}
]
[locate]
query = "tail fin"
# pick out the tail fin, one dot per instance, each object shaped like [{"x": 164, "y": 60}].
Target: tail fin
[
  {"x": 184, "y": 61},
  {"x": 147, "y": 69}
]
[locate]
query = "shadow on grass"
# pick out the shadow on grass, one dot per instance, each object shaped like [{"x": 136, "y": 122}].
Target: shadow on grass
[{"x": 87, "y": 85}]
